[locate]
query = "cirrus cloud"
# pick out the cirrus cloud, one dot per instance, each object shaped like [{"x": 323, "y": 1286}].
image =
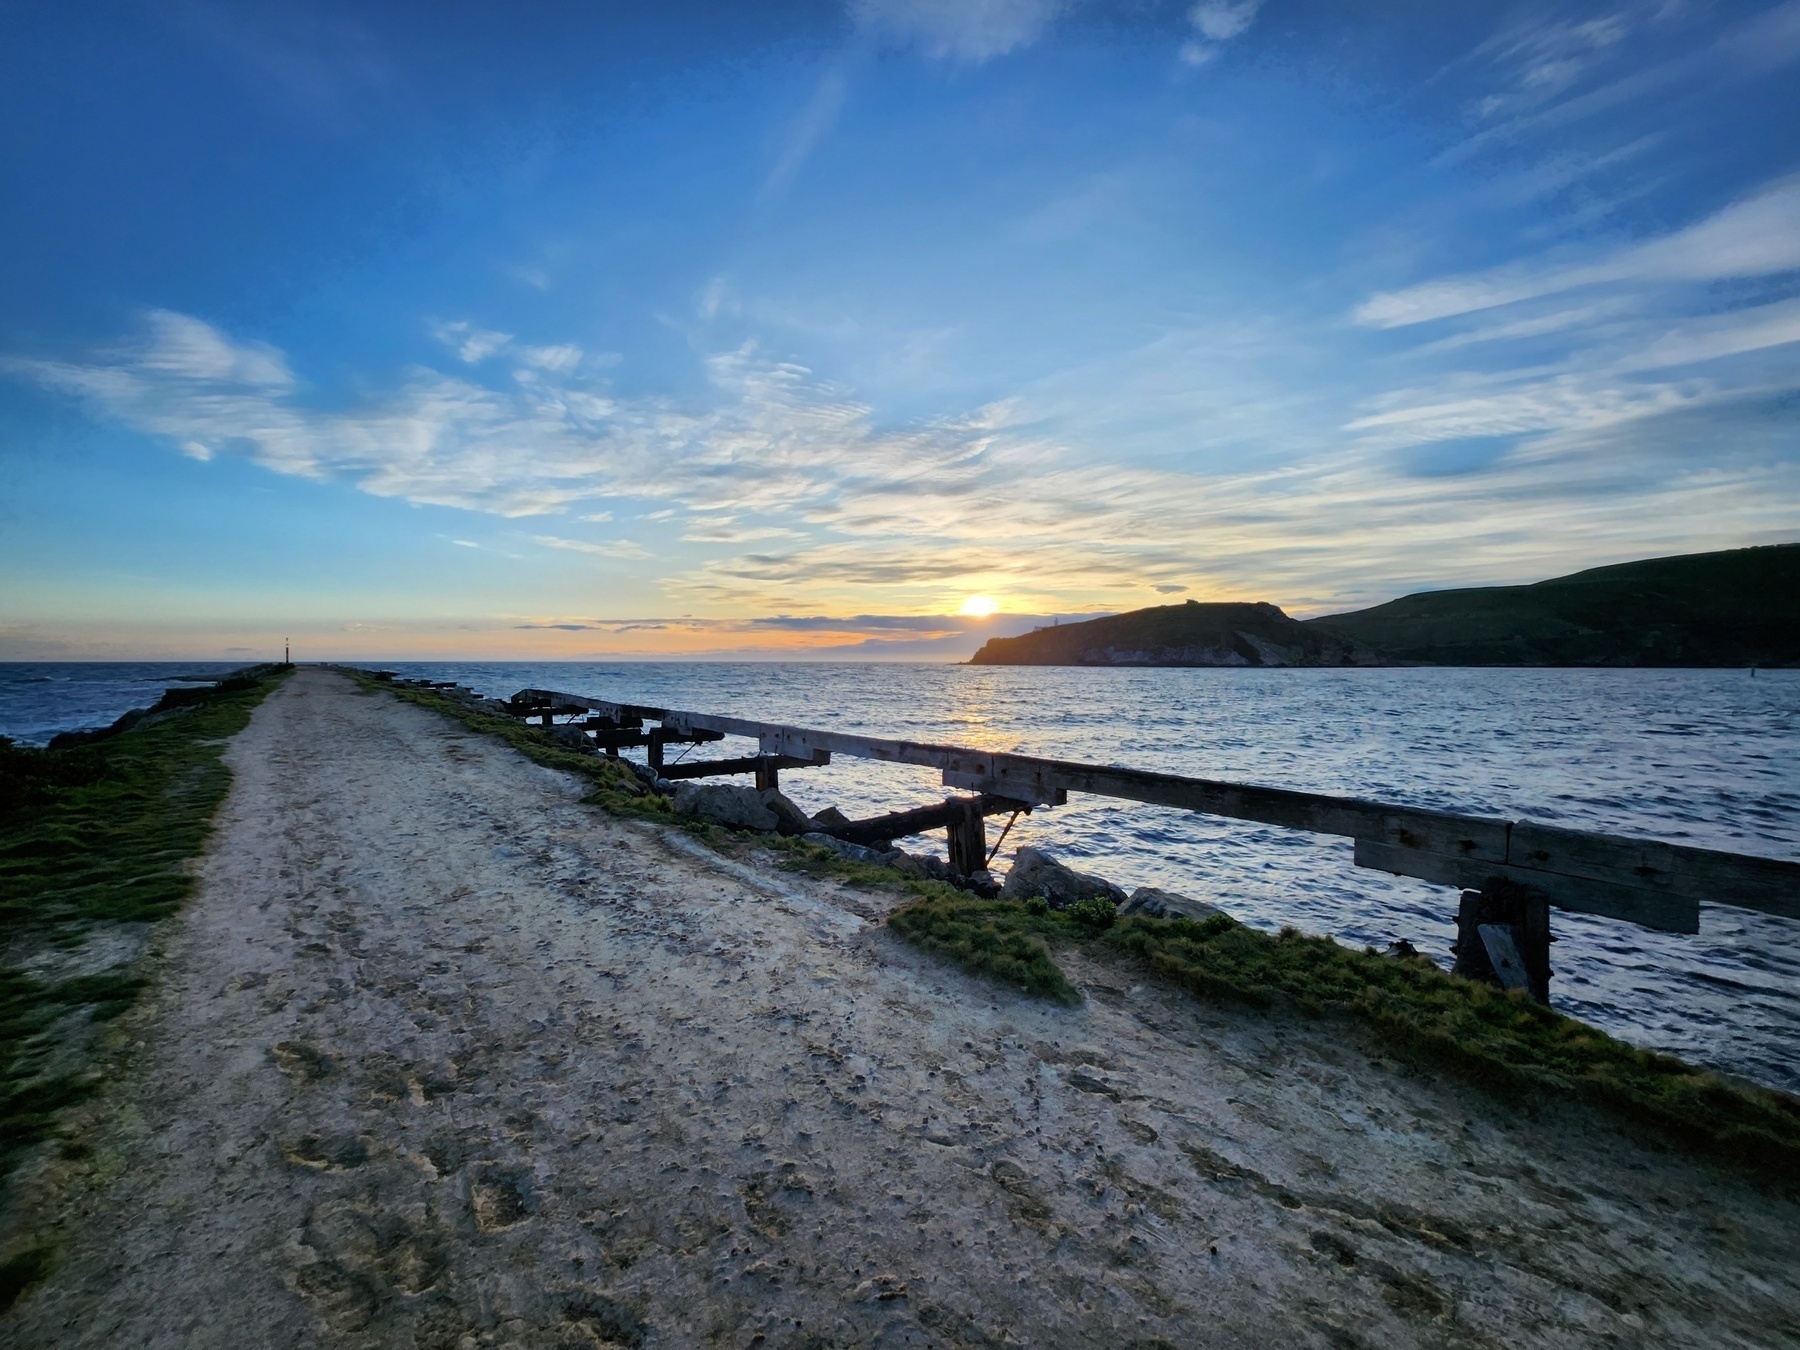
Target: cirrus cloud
[{"x": 775, "y": 489}]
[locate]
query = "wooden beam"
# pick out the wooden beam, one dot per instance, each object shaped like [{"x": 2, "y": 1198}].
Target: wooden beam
[
  {"x": 621, "y": 739},
  {"x": 1749, "y": 882},
  {"x": 899, "y": 824},
  {"x": 1642, "y": 881},
  {"x": 1584, "y": 895},
  {"x": 1523, "y": 914},
  {"x": 1503, "y": 956},
  {"x": 967, "y": 830},
  {"x": 709, "y": 768}
]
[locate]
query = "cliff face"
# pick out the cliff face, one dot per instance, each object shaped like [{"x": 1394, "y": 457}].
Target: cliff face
[
  {"x": 1190, "y": 634},
  {"x": 1735, "y": 608}
]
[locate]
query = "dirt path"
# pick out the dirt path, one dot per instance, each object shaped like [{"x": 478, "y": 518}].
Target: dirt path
[{"x": 442, "y": 1058}]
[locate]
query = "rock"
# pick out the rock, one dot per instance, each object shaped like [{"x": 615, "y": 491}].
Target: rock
[
  {"x": 620, "y": 781},
  {"x": 911, "y": 864},
  {"x": 1035, "y": 872},
  {"x": 740, "y": 808},
  {"x": 572, "y": 738},
  {"x": 982, "y": 883},
  {"x": 931, "y": 866},
  {"x": 828, "y": 818},
  {"x": 789, "y": 819},
  {"x": 1160, "y": 904},
  {"x": 925, "y": 866},
  {"x": 853, "y": 852}
]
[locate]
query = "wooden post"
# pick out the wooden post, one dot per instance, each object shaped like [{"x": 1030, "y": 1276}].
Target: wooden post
[
  {"x": 1525, "y": 913},
  {"x": 967, "y": 829},
  {"x": 653, "y": 752},
  {"x": 768, "y": 773}
]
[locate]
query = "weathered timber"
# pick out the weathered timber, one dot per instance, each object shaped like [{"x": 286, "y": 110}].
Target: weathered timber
[
  {"x": 1641, "y": 881},
  {"x": 629, "y": 714},
  {"x": 967, "y": 831},
  {"x": 708, "y": 768},
  {"x": 1523, "y": 912},
  {"x": 899, "y": 824},
  {"x": 654, "y": 743},
  {"x": 1503, "y": 956},
  {"x": 1585, "y": 895},
  {"x": 627, "y": 738},
  {"x": 1749, "y": 882}
]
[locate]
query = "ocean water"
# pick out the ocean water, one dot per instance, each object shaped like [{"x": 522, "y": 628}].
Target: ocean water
[
  {"x": 39, "y": 699},
  {"x": 1710, "y": 758}
]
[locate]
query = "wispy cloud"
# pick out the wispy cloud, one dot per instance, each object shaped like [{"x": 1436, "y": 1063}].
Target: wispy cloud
[
  {"x": 604, "y": 548},
  {"x": 1217, "y": 22},
  {"x": 1754, "y": 237},
  {"x": 809, "y": 128},
  {"x": 859, "y": 637},
  {"x": 1542, "y": 60},
  {"x": 557, "y": 359},
  {"x": 964, "y": 30},
  {"x": 1556, "y": 75},
  {"x": 782, "y": 491},
  {"x": 474, "y": 345}
]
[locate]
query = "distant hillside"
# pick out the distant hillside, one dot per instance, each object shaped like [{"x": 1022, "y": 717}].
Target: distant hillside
[
  {"x": 1190, "y": 634},
  {"x": 1735, "y": 608}
]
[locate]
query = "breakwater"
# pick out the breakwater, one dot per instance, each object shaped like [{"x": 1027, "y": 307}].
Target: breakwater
[{"x": 1697, "y": 756}]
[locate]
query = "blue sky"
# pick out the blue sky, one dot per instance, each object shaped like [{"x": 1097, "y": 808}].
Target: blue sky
[{"x": 572, "y": 330}]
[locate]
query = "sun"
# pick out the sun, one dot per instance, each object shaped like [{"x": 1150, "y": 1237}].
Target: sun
[{"x": 979, "y": 607}]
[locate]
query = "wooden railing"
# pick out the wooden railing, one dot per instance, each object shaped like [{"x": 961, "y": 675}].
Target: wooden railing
[{"x": 1659, "y": 885}]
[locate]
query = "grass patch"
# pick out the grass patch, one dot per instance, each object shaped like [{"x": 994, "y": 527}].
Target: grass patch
[
  {"x": 1502, "y": 1042},
  {"x": 92, "y": 834},
  {"x": 995, "y": 938}
]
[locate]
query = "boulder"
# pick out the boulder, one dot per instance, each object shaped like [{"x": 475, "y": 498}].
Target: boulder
[
  {"x": 829, "y": 819},
  {"x": 908, "y": 863},
  {"x": 981, "y": 882},
  {"x": 789, "y": 819},
  {"x": 740, "y": 808},
  {"x": 572, "y": 738},
  {"x": 853, "y": 852},
  {"x": 927, "y": 865},
  {"x": 1155, "y": 903},
  {"x": 1035, "y": 872}
]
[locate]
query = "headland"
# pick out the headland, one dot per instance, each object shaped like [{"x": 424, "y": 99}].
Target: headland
[{"x": 1740, "y": 607}]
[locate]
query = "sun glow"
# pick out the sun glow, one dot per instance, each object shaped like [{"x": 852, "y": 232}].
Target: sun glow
[{"x": 979, "y": 607}]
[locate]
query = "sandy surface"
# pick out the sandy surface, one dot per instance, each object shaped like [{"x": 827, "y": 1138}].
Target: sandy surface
[{"x": 440, "y": 1057}]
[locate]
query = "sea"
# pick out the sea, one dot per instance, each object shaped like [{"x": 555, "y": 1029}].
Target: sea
[{"x": 1703, "y": 757}]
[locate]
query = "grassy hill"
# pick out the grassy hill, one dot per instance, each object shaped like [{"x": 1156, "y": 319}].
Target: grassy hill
[
  {"x": 1735, "y": 608},
  {"x": 1190, "y": 634}
]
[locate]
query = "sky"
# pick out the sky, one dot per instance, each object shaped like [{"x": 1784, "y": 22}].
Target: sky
[{"x": 863, "y": 329}]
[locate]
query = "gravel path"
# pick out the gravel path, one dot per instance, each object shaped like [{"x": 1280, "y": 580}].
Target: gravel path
[{"x": 440, "y": 1057}]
